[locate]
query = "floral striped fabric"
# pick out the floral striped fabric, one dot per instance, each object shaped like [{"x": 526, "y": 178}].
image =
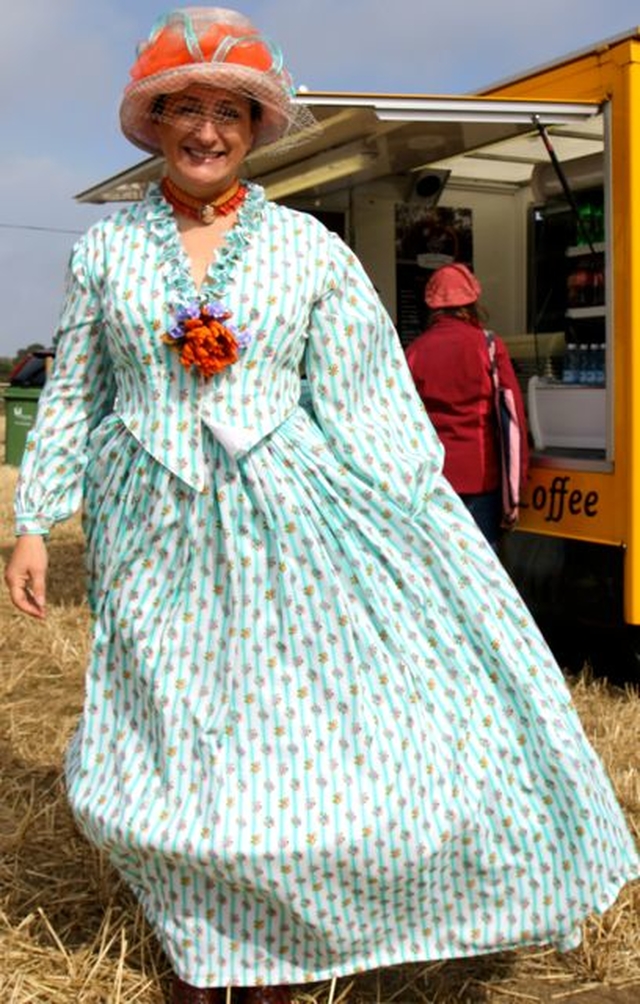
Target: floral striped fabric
[{"x": 321, "y": 731}]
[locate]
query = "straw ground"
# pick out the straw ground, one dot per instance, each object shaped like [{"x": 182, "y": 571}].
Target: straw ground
[{"x": 70, "y": 933}]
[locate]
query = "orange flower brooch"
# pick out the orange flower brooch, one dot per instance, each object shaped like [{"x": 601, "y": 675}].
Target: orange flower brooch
[{"x": 203, "y": 340}]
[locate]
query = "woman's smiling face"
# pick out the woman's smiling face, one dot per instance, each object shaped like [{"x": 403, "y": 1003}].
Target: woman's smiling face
[{"x": 205, "y": 134}]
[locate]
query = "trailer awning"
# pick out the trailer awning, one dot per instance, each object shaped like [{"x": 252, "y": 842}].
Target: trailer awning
[{"x": 363, "y": 137}]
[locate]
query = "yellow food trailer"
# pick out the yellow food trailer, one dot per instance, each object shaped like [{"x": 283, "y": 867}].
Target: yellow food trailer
[
  {"x": 535, "y": 182},
  {"x": 584, "y": 491}
]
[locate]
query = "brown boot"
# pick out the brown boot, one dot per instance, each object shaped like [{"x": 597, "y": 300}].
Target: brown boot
[
  {"x": 184, "y": 993},
  {"x": 266, "y": 995}
]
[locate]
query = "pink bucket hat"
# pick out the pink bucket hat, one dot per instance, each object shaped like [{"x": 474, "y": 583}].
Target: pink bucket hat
[
  {"x": 452, "y": 286},
  {"x": 218, "y": 47}
]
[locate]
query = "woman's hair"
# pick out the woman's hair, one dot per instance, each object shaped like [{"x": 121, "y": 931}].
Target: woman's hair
[{"x": 472, "y": 313}]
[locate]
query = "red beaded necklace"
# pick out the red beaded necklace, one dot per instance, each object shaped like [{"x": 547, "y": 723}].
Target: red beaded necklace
[{"x": 204, "y": 212}]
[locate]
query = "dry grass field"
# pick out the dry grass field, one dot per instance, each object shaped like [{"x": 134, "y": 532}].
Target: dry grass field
[{"x": 71, "y": 934}]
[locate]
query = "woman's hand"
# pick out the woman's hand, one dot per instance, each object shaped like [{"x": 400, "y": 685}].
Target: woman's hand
[{"x": 26, "y": 573}]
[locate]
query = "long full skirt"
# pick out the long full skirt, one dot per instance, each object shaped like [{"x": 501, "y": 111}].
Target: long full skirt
[{"x": 321, "y": 735}]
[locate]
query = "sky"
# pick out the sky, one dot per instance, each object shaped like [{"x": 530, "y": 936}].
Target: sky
[{"x": 64, "y": 63}]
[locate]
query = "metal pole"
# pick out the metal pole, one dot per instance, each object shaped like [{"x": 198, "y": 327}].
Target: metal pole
[{"x": 557, "y": 166}]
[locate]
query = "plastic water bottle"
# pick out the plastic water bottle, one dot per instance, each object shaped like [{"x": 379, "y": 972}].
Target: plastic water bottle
[
  {"x": 591, "y": 375},
  {"x": 600, "y": 366},
  {"x": 584, "y": 363},
  {"x": 570, "y": 364}
]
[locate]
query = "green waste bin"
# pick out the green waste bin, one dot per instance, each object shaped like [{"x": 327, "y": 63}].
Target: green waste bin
[{"x": 20, "y": 406}]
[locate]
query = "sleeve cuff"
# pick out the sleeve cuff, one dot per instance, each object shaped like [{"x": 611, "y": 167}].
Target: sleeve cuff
[{"x": 32, "y": 525}]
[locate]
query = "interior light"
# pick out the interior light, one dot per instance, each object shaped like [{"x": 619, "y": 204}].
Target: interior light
[{"x": 315, "y": 171}]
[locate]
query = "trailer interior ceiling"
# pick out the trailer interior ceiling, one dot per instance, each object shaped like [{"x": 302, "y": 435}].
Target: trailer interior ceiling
[
  {"x": 489, "y": 141},
  {"x": 362, "y": 138}
]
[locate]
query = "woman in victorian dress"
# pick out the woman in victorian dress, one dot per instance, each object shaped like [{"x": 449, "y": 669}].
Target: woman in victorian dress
[{"x": 321, "y": 732}]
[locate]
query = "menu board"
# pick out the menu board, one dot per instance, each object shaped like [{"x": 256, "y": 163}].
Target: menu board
[{"x": 425, "y": 240}]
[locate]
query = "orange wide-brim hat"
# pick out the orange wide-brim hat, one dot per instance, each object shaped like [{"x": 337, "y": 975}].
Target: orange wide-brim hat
[{"x": 217, "y": 47}]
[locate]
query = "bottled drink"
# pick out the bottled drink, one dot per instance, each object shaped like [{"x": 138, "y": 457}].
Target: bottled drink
[
  {"x": 600, "y": 366},
  {"x": 591, "y": 376},
  {"x": 585, "y": 213},
  {"x": 597, "y": 223},
  {"x": 570, "y": 364},
  {"x": 597, "y": 284},
  {"x": 578, "y": 286},
  {"x": 584, "y": 363}
]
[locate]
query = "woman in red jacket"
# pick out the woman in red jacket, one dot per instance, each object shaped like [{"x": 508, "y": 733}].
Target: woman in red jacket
[{"x": 450, "y": 365}]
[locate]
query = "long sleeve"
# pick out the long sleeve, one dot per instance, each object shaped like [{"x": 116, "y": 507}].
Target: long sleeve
[
  {"x": 363, "y": 395},
  {"x": 78, "y": 393}
]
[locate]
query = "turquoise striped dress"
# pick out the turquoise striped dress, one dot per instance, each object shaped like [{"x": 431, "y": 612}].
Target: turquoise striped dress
[{"x": 321, "y": 732}]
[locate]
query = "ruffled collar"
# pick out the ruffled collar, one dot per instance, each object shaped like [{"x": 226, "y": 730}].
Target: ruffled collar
[{"x": 160, "y": 219}]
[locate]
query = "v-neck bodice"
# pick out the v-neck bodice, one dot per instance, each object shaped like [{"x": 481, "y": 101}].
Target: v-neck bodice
[{"x": 225, "y": 258}]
